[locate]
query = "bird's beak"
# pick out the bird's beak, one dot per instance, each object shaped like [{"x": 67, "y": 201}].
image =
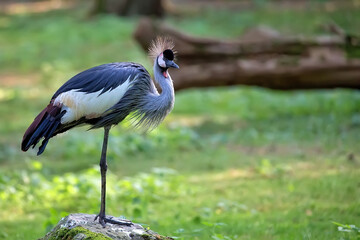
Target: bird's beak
[{"x": 171, "y": 64}]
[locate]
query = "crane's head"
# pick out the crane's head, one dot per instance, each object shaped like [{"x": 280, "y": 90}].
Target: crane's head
[
  {"x": 162, "y": 51},
  {"x": 166, "y": 59}
]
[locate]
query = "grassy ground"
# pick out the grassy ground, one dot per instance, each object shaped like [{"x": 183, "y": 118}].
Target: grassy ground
[{"x": 228, "y": 163}]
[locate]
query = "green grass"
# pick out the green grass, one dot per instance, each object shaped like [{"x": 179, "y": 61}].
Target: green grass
[
  {"x": 228, "y": 163},
  {"x": 287, "y": 21}
]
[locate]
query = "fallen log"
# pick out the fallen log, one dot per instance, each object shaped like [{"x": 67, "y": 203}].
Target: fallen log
[
  {"x": 259, "y": 58},
  {"x": 289, "y": 78}
]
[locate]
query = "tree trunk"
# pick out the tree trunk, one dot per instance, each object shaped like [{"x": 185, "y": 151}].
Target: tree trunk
[
  {"x": 99, "y": 7},
  {"x": 140, "y": 7},
  {"x": 130, "y": 7}
]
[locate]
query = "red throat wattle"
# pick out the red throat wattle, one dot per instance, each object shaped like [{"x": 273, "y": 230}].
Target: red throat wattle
[{"x": 165, "y": 74}]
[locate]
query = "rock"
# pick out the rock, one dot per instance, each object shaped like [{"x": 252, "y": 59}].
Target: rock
[{"x": 80, "y": 226}]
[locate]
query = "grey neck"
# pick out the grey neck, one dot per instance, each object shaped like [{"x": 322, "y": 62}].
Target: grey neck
[
  {"x": 154, "y": 106},
  {"x": 167, "y": 96}
]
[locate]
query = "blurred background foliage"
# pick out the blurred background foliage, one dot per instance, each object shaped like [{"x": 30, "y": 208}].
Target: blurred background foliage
[{"x": 228, "y": 163}]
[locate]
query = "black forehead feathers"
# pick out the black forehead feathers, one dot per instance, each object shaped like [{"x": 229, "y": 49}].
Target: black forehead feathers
[{"x": 168, "y": 54}]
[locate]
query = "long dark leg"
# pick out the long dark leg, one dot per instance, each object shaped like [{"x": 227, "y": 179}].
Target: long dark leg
[{"x": 103, "y": 168}]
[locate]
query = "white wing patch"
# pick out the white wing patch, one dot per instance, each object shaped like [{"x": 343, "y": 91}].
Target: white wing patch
[{"x": 90, "y": 105}]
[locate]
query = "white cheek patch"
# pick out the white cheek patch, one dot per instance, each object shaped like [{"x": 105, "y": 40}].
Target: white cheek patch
[
  {"x": 161, "y": 61},
  {"x": 90, "y": 105}
]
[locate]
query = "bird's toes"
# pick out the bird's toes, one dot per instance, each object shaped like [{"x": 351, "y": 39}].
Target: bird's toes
[{"x": 118, "y": 222}]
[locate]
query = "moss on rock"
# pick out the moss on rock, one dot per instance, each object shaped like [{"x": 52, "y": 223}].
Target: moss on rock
[{"x": 78, "y": 233}]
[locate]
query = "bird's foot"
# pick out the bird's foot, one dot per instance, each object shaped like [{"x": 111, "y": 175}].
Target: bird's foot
[{"x": 103, "y": 220}]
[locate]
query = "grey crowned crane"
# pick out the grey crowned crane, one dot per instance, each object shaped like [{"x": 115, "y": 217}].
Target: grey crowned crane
[{"x": 102, "y": 97}]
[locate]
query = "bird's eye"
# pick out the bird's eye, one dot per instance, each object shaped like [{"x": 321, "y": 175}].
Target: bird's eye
[{"x": 168, "y": 54}]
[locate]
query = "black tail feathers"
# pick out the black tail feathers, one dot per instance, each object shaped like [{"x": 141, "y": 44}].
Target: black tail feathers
[
  {"x": 50, "y": 125},
  {"x": 44, "y": 126}
]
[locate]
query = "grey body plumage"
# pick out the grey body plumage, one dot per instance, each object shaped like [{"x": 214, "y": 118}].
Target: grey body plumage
[
  {"x": 102, "y": 97},
  {"x": 143, "y": 100}
]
